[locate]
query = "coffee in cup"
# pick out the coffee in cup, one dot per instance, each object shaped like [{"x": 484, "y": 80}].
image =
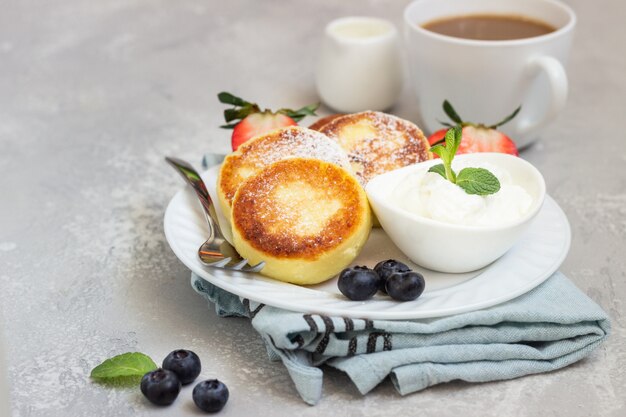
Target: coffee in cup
[{"x": 487, "y": 78}]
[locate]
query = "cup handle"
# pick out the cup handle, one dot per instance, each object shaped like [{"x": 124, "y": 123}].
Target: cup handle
[{"x": 557, "y": 79}]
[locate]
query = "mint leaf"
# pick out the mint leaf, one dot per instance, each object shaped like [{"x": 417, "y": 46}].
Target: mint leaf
[
  {"x": 438, "y": 169},
  {"x": 446, "y": 153},
  {"x": 439, "y": 149},
  {"x": 477, "y": 181},
  {"x": 453, "y": 140},
  {"x": 121, "y": 367},
  {"x": 446, "y": 157}
]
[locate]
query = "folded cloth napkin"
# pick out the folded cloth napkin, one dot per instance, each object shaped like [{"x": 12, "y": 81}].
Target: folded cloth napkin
[{"x": 545, "y": 329}]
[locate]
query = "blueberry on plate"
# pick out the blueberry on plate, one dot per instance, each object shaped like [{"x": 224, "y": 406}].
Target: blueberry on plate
[
  {"x": 160, "y": 386},
  {"x": 184, "y": 363},
  {"x": 210, "y": 395},
  {"x": 405, "y": 286},
  {"x": 384, "y": 269},
  {"x": 358, "y": 283}
]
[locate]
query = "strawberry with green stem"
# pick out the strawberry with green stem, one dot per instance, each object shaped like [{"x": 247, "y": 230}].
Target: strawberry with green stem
[
  {"x": 477, "y": 137},
  {"x": 248, "y": 120}
]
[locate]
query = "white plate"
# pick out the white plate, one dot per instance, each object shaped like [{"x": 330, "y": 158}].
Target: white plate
[{"x": 531, "y": 261}]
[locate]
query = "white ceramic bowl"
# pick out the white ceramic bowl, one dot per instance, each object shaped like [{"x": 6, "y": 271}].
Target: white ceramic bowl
[{"x": 450, "y": 247}]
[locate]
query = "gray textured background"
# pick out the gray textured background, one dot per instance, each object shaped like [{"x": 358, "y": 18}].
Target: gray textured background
[{"x": 93, "y": 94}]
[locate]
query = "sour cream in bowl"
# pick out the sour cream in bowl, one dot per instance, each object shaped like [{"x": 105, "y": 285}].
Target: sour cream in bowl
[{"x": 441, "y": 227}]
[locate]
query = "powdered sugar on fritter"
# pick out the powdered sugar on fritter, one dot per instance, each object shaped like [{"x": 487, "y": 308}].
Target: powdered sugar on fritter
[
  {"x": 389, "y": 142},
  {"x": 303, "y": 143}
]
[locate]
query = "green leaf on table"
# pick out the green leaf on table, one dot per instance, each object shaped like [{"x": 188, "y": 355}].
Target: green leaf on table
[
  {"x": 122, "y": 367},
  {"x": 477, "y": 181},
  {"x": 438, "y": 169}
]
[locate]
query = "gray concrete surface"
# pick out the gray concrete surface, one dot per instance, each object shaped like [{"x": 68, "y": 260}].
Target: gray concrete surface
[{"x": 93, "y": 94}]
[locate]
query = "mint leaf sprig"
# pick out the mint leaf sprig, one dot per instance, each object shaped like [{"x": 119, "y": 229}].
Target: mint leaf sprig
[
  {"x": 479, "y": 181},
  {"x": 125, "y": 368}
]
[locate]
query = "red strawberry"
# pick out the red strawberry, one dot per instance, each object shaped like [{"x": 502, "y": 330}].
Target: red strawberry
[
  {"x": 253, "y": 122},
  {"x": 257, "y": 124},
  {"x": 477, "y": 137}
]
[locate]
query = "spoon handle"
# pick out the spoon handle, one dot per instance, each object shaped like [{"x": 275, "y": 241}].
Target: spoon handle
[{"x": 191, "y": 176}]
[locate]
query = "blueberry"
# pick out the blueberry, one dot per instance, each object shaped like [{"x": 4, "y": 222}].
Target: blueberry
[
  {"x": 160, "y": 386},
  {"x": 184, "y": 363},
  {"x": 358, "y": 283},
  {"x": 210, "y": 395},
  {"x": 405, "y": 286},
  {"x": 384, "y": 269}
]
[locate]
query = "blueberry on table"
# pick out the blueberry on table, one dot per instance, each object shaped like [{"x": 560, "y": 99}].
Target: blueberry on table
[
  {"x": 358, "y": 283},
  {"x": 405, "y": 286},
  {"x": 384, "y": 269},
  {"x": 184, "y": 363},
  {"x": 210, "y": 395},
  {"x": 160, "y": 386}
]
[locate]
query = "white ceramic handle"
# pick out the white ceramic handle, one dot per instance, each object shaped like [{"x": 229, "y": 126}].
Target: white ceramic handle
[{"x": 557, "y": 79}]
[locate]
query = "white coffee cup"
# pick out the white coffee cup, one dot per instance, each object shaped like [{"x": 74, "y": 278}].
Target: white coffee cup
[
  {"x": 359, "y": 65},
  {"x": 486, "y": 80}
]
